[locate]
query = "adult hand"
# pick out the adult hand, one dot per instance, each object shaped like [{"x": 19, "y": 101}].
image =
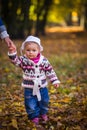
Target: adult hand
[{"x": 8, "y": 41}]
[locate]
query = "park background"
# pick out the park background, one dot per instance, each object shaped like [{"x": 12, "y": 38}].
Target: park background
[{"x": 62, "y": 27}]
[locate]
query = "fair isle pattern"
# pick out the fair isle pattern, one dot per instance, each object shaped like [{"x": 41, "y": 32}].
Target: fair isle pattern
[{"x": 32, "y": 72}]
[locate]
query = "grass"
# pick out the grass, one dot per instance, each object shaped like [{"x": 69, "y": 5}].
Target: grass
[{"x": 68, "y": 103}]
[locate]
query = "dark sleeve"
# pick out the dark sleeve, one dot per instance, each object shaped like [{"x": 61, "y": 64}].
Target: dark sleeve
[
  {"x": 1, "y": 22},
  {"x": 3, "y": 30}
]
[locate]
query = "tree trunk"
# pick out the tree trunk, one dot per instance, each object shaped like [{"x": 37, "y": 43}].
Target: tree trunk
[
  {"x": 86, "y": 16},
  {"x": 82, "y": 17},
  {"x": 26, "y": 24},
  {"x": 42, "y": 11}
]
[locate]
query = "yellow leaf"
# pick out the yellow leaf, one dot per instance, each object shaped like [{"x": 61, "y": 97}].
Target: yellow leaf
[
  {"x": 57, "y": 104},
  {"x": 17, "y": 104},
  {"x": 0, "y": 109},
  {"x": 78, "y": 88},
  {"x": 70, "y": 80},
  {"x": 52, "y": 90},
  {"x": 52, "y": 127},
  {"x": 7, "y": 70},
  {"x": 66, "y": 100},
  {"x": 59, "y": 117},
  {"x": 14, "y": 123},
  {"x": 77, "y": 128},
  {"x": 34, "y": 129}
]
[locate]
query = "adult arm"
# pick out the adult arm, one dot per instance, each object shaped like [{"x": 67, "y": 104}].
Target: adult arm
[{"x": 3, "y": 34}]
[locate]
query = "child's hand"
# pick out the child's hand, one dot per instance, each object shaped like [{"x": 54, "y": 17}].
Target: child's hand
[
  {"x": 56, "y": 85},
  {"x": 12, "y": 48}
]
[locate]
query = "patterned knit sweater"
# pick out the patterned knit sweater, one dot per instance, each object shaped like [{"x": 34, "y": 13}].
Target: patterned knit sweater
[{"x": 35, "y": 74}]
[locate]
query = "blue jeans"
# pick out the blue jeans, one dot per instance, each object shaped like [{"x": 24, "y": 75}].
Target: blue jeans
[{"x": 35, "y": 108}]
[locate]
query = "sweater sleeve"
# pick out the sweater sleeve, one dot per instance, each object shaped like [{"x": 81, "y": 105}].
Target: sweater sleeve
[
  {"x": 50, "y": 73},
  {"x": 3, "y": 30},
  {"x": 15, "y": 59}
]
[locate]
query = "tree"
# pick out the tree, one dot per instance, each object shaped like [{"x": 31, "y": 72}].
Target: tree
[
  {"x": 66, "y": 7},
  {"x": 19, "y": 21},
  {"x": 85, "y": 6},
  {"x": 26, "y": 22},
  {"x": 42, "y": 10}
]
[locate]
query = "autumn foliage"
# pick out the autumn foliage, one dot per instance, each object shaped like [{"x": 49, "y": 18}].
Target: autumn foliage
[{"x": 67, "y": 51}]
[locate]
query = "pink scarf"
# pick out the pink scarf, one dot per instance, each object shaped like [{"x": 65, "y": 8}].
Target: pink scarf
[{"x": 36, "y": 59}]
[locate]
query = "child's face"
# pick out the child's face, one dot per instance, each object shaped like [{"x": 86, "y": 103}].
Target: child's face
[{"x": 31, "y": 50}]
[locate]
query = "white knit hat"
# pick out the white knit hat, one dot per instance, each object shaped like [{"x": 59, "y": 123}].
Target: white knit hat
[{"x": 32, "y": 39}]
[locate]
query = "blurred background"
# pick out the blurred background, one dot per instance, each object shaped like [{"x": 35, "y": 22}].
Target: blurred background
[
  {"x": 62, "y": 27},
  {"x": 24, "y": 17}
]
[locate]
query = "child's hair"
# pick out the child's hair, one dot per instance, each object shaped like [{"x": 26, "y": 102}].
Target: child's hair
[{"x": 31, "y": 39}]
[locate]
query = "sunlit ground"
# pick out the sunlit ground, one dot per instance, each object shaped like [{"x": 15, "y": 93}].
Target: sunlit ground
[{"x": 65, "y": 29}]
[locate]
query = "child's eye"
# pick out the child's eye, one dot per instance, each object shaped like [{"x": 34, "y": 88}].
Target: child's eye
[
  {"x": 34, "y": 50},
  {"x": 28, "y": 50},
  {"x": 31, "y": 50}
]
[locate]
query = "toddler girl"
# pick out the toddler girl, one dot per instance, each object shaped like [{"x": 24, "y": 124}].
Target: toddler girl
[{"x": 36, "y": 69}]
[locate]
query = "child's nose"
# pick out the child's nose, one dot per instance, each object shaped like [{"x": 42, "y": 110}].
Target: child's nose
[{"x": 30, "y": 51}]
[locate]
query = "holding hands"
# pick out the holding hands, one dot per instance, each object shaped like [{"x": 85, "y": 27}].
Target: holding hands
[
  {"x": 8, "y": 41},
  {"x": 11, "y": 48}
]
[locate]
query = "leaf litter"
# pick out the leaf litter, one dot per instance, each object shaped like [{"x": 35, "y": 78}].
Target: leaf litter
[{"x": 68, "y": 103}]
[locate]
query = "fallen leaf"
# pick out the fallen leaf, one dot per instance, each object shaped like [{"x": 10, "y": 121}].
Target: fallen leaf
[{"x": 14, "y": 123}]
